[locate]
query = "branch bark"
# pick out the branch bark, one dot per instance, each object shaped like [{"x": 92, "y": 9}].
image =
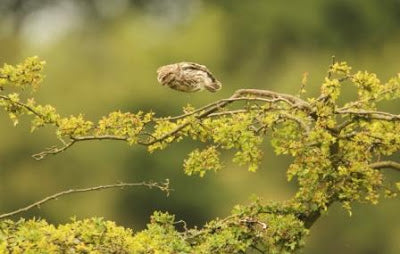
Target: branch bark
[
  {"x": 208, "y": 110},
  {"x": 385, "y": 164},
  {"x": 211, "y": 108}
]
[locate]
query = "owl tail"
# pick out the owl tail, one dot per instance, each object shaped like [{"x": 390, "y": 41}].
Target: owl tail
[{"x": 214, "y": 86}]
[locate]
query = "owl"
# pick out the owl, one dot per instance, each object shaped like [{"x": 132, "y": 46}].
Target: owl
[{"x": 187, "y": 77}]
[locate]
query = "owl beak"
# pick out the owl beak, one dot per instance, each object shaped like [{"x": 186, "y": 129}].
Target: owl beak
[{"x": 162, "y": 80}]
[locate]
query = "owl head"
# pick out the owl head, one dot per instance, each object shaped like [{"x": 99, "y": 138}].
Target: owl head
[{"x": 166, "y": 73}]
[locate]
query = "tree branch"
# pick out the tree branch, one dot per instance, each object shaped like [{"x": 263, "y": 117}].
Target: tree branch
[
  {"x": 56, "y": 150},
  {"x": 291, "y": 99},
  {"x": 230, "y": 112},
  {"x": 370, "y": 114},
  {"x": 161, "y": 186},
  {"x": 300, "y": 122},
  {"x": 359, "y": 103},
  {"x": 208, "y": 110},
  {"x": 211, "y": 108},
  {"x": 311, "y": 218},
  {"x": 53, "y": 150},
  {"x": 22, "y": 105},
  {"x": 385, "y": 164},
  {"x": 263, "y": 94}
]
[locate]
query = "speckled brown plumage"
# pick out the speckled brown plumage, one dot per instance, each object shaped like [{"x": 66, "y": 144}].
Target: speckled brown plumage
[{"x": 188, "y": 77}]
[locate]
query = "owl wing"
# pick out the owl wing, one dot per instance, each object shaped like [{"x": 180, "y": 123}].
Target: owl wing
[
  {"x": 196, "y": 66},
  {"x": 212, "y": 86}
]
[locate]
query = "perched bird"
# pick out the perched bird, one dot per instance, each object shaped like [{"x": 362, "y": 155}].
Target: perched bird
[{"x": 188, "y": 77}]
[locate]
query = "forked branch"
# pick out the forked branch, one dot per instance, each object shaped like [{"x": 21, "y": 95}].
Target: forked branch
[{"x": 203, "y": 112}]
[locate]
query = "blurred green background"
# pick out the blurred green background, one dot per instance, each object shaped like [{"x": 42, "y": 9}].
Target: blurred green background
[{"x": 102, "y": 55}]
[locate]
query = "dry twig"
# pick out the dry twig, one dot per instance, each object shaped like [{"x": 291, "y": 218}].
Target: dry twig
[{"x": 161, "y": 186}]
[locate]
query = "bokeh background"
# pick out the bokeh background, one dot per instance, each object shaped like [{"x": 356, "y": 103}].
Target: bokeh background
[{"x": 102, "y": 55}]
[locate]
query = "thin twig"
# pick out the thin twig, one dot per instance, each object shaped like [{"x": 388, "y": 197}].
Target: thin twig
[
  {"x": 358, "y": 103},
  {"x": 53, "y": 150},
  {"x": 56, "y": 150},
  {"x": 370, "y": 114},
  {"x": 300, "y": 122},
  {"x": 343, "y": 125},
  {"x": 184, "y": 224},
  {"x": 230, "y": 112},
  {"x": 161, "y": 186},
  {"x": 254, "y": 221},
  {"x": 330, "y": 67},
  {"x": 23, "y": 105}
]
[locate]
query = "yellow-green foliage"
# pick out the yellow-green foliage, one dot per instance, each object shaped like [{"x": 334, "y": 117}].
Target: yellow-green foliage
[
  {"x": 338, "y": 152},
  {"x": 80, "y": 236},
  {"x": 199, "y": 162},
  {"x": 27, "y": 74},
  {"x": 97, "y": 235}
]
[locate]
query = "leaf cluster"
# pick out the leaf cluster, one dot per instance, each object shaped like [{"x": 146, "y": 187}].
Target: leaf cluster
[{"x": 238, "y": 233}]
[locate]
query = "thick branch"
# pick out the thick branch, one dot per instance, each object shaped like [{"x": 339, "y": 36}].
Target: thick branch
[
  {"x": 290, "y": 99},
  {"x": 293, "y": 100},
  {"x": 311, "y": 219},
  {"x": 161, "y": 186},
  {"x": 385, "y": 164},
  {"x": 276, "y": 97},
  {"x": 212, "y": 105}
]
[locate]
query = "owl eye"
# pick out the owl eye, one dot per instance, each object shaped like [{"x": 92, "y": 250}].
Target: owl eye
[
  {"x": 189, "y": 67},
  {"x": 164, "y": 77}
]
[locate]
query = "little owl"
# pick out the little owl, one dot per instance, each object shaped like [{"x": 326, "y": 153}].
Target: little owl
[{"x": 187, "y": 77}]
